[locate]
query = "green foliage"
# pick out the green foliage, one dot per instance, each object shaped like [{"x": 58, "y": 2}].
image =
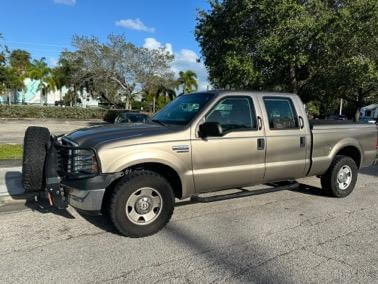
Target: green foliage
[
  {"x": 318, "y": 49},
  {"x": 16, "y": 111},
  {"x": 188, "y": 81},
  {"x": 13, "y": 68},
  {"x": 157, "y": 90}
]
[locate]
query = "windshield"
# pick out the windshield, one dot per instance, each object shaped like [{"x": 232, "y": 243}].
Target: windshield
[{"x": 182, "y": 110}]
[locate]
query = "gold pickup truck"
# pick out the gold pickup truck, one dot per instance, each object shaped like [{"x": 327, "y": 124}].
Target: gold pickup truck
[{"x": 199, "y": 143}]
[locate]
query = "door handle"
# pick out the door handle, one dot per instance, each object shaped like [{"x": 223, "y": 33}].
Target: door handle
[
  {"x": 259, "y": 123},
  {"x": 301, "y": 122},
  {"x": 302, "y": 141},
  {"x": 260, "y": 144}
]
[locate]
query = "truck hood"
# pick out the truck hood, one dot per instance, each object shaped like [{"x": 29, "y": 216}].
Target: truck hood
[{"x": 98, "y": 135}]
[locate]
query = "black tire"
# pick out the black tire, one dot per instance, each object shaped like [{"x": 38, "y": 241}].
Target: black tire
[
  {"x": 33, "y": 163},
  {"x": 129, "y": 185},
  {"x": 329, "y": 180}
]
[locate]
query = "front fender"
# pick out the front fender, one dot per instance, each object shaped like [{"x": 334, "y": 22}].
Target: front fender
[{"x": 119, "y": 159}]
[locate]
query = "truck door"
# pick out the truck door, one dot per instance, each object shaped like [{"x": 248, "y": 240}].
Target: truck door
[
  {"x": 237, "y": 158},
  {"x": 285, "y": 138}
]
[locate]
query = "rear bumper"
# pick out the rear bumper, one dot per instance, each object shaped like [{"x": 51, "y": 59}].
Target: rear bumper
[{"x": 87, "y": 194}]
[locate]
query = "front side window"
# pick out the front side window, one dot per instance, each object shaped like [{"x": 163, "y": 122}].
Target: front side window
[
  {"x": 234, "y": 114},
  {"x": 183, "y": 109},
  {"x": 281, "y": 113}
]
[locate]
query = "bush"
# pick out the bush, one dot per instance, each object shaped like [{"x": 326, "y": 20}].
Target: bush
[{"x": 17, "y": 111}]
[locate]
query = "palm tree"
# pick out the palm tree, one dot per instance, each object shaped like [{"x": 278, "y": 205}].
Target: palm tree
[
  {"x": 188, "y": 81},
  {"x": 40, "y": 71},
  {"x": 158, "y": 87},
  {"x": 163, "y": 91}
]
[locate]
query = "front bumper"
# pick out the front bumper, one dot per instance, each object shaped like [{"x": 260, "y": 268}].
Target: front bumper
[
  {"x": 86, "y": 200},
  {"x": 87, "y": 194},
  {"x": 84, "y": 192}
]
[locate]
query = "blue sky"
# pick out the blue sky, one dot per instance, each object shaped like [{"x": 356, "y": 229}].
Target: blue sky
[{"x": 45, "y": 27}]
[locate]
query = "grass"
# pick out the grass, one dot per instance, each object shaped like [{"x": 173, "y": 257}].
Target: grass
[{"x": 10, "y": 152}]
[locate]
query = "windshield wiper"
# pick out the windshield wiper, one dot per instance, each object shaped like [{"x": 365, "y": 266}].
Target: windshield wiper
[{"x": 159, "y": 122}]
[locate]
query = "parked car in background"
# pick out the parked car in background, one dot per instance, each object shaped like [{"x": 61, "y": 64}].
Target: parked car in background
[
  {"x": 131, "y": 117},
  {"x": 368, "y": 120},
  {"x": 336, "y": 117}
]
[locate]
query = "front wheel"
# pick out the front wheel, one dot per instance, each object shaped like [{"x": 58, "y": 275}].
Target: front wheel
[
  {"x": 341, "y": 177},
  {"x": 142, "y": 204}
]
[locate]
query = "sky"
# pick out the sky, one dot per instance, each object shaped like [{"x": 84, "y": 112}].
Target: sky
[{"x": 45, "y": 27}]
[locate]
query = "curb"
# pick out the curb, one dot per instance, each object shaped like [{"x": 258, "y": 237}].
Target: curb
[
  {"x": 9, "y": 204},
  {"x": 10, "y": 163}
]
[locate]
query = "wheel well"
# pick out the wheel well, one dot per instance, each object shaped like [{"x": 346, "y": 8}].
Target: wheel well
[
  {"x": 166, "y": 171},
  {"x": 352, "y": 152},
  {"x": 169, "y": 173}
]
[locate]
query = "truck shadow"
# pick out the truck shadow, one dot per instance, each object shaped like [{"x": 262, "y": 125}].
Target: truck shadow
[
  {"x": 42, "y": 206},
  {"x": 311, "y": 190},
  {"x": 370, "y": 171},
  {"x": 241, "y": 260}
]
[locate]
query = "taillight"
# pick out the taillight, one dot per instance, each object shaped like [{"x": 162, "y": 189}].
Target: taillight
[{"x": 376, "y": 145}]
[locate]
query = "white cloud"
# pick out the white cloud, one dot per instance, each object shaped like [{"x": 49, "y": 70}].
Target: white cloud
[
  {"x": 65, "y": 2},
  {"x": 187, "y": 59},
  {"x": 187, "y": 55},
  {"x": 136, "y": 24},
  {"x": 152, "y": 43},
  {"x": 184, "y": 60}
]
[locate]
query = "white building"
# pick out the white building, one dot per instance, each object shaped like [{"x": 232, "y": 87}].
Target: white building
[
  {"x": 31, "y": 95},
  {"x": 370, "y": 111}
]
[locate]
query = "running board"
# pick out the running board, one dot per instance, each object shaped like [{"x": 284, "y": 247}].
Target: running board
[{"x": 244, "y": 192}]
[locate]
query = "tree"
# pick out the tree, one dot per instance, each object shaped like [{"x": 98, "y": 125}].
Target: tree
[
  {"x": 40, "y": 71},
  {"x": 353, "y": 68},
  {"x": 13, "y": 82},
  {"x": 315, "y": 48},
  {"x": 118, "y": 66},
  {"x": 188, "y": 81},
  {"x": 19, "y": 60},
  {"x": 13, "y": 67},
  {"x": 158, "y": 87}
]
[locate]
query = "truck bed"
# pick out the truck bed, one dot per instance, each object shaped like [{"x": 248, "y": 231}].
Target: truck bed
[{"x": 331, "y": 136}]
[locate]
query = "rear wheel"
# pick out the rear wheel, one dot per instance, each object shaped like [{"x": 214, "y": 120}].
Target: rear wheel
[
  {"x": 142, "y": 204},
  {"x": 341, "y": 177},
  {"x": 33, "y": 164}
]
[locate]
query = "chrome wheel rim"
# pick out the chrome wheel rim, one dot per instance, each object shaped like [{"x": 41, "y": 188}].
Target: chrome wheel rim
[
  {"x": 144, "y": 206},
  {"x": 344, "y": 177}
]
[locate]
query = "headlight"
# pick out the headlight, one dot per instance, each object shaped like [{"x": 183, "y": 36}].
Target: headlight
[
  {"x": 78, "y": 161},
  {"x": 84, "y": 161}
]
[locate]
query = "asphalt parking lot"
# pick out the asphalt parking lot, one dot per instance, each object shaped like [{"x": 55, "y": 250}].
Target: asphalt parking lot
[{"x": 298, "y": 236}]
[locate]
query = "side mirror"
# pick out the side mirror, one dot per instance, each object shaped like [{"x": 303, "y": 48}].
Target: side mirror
[{"x": 210, "y": 129}]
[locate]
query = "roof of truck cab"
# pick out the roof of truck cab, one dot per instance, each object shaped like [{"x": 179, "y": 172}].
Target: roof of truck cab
[{"x": 238, "y": 93}]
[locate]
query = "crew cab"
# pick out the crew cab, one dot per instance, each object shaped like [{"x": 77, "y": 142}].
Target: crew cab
[{"x": 199, "y": 143}]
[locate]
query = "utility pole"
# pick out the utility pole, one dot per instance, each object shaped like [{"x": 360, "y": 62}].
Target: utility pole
[{"x": 341, "y": 107}]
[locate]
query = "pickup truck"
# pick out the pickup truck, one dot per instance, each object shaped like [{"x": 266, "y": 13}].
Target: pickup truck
[{"x": 199, "y": 143}]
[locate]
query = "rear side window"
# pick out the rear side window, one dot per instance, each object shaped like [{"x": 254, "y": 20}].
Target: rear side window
[{"x": 281, "y": 113}]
